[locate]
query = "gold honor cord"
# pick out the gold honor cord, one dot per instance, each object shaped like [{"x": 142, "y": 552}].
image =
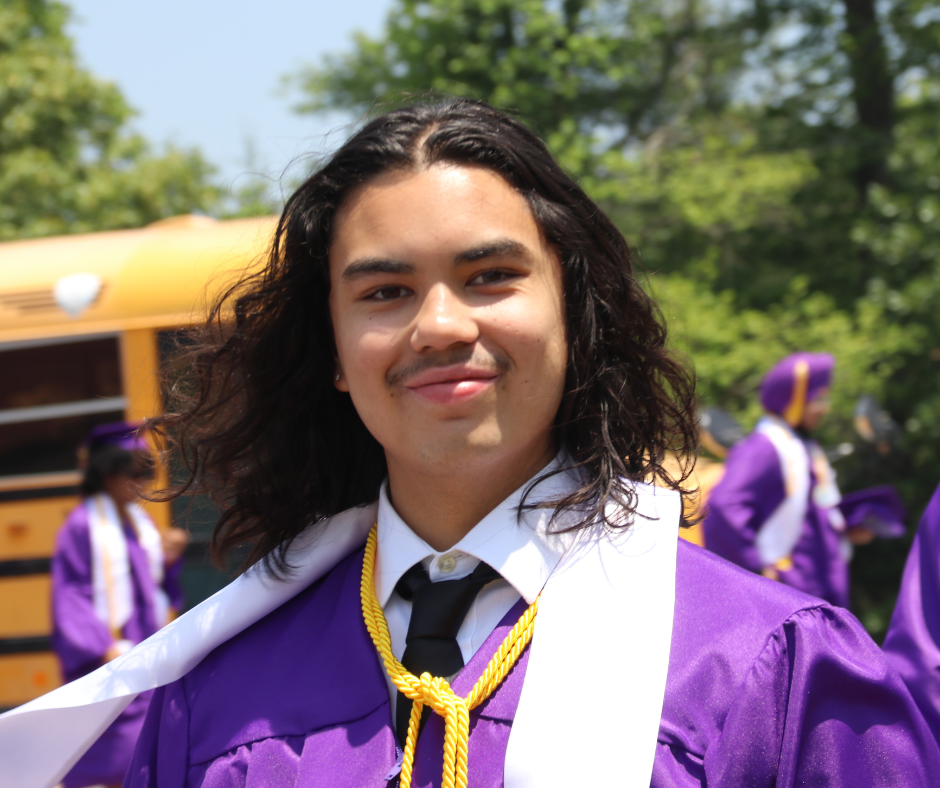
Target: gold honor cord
[{"x": 433, "y": 691}]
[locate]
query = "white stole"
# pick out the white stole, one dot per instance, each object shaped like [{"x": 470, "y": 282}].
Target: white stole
[
  {"x": 593, "y": 693},
  {"x": 598, "y": 660},
  {"x": 112, "y": 587},
  {"x": 782, "y": 530}
]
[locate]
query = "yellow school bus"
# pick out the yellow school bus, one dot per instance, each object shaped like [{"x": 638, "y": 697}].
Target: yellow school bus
[{"x": 84, "y": 324}]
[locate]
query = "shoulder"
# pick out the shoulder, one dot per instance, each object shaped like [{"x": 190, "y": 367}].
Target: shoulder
[
  {"x": 731, "y": 624},
  {"x": 727, "y": 616},
  {"x": 75, "y": 525},
  {"x": 306, "y": 665},
  {"x": 765, "y": 681},
  {"x": 716, "y": 593},
  {"x": 752, "y": 462},
  {"x": 756, "y": 447},
  {"x": 77, "y": 518}
]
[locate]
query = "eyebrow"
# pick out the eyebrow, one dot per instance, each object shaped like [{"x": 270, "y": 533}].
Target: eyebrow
[
  {"x": 501, "y": 248},
  {"x": 366, "y": 266},
  {"x": 376, "y": 265}
]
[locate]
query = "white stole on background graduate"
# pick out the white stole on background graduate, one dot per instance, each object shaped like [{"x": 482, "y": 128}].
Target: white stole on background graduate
[
  {"x": 591, "y": 702},
  {"x": 112, "y": 585},
  {"x": 782, "y": 530}
]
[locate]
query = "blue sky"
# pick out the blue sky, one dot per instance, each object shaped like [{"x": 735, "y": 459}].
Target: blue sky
[{"x": 206, "y": 73}]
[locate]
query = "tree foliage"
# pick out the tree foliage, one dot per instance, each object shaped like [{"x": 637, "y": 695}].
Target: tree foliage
[
  {"x": 775, "y": 163},
  {"x": 67, "y": 162}
]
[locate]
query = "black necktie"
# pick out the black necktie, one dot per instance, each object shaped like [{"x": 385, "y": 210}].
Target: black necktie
[{"x": 437, "y": 611}]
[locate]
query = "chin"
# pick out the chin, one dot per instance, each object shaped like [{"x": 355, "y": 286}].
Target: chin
[{"x": 459, "y": 449}]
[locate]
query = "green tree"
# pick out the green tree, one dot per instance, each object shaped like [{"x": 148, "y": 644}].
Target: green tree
[{"x": 67, "y": 162}]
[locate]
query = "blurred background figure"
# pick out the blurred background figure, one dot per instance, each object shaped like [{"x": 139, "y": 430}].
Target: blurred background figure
[
  {"x": 115, "y": 581},
  {"x": 777, "y": 508},
  {"x": 913, "y": 640}
]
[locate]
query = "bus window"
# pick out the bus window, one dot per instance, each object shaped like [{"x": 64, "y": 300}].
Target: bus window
[
  {"x": 52, "y": 394},
  {"x": 37, "y": 374}
]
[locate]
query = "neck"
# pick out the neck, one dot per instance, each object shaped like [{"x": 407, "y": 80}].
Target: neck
[{"x": 442, "y": 506}]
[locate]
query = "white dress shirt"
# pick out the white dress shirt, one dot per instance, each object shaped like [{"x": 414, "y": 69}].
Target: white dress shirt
[{"x": 522, "y": 550}]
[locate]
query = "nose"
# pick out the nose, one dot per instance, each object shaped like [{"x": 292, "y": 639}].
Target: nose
[{"x": 443, "y": 320}]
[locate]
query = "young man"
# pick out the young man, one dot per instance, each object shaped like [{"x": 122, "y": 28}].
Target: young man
[{"x": 448, "y": 358}]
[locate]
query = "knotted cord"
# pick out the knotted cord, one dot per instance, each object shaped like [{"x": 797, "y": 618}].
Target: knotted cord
[{"x": 434, "y": 691}]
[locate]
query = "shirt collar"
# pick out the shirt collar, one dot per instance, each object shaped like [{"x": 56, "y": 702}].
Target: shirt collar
[{"x": 521, "y": 549}]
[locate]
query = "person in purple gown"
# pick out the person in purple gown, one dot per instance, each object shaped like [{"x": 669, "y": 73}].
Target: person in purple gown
[
  {"x": 912, "y": 644},
  {"x": 115, "y": 579},
  {"x": 776, "y": 509},
  {"x": 432, "y": 423}
]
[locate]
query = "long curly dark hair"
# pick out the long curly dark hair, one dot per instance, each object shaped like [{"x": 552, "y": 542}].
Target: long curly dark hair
[{"x": 261, "y": 428}]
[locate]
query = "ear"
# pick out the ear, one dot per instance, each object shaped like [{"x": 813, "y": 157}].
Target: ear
[{"x": 339, "y": 379}]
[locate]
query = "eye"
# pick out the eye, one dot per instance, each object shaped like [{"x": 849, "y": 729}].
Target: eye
[
  {"x": 492, "y": 277},
  {"x": 388, "y": 293}
]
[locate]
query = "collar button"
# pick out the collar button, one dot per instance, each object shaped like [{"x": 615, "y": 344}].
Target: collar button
[{"x": 447, "y": 563}]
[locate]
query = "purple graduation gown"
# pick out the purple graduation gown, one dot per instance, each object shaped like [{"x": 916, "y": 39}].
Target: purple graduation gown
[
  {"x": 766, "y": 687},
  {"x": 80, "y": 639},
  {"x": 912, "y": 644},
  {"x": 751, "y": 489}
]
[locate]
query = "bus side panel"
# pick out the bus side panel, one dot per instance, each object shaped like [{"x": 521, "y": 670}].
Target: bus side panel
[
  {"x": 25, "y": 606},
  {"x": 28, "y": 528},
  {"x": 27, "y": 676}
]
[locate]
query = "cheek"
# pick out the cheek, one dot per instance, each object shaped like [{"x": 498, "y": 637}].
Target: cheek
[
  {"x": 537, "y": 343},
  {"x": 366, "y": 356}
]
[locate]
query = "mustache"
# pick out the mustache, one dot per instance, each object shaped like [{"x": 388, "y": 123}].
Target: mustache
[{"x": 496, "y": 362}]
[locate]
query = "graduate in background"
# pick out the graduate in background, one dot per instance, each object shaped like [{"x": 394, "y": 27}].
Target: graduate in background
[
  {"x": 776, "y": 509},
  {"x": 912, "y": 644},
  {"x": 115, "y": 581},
  {"x": 433, "y": 420}
]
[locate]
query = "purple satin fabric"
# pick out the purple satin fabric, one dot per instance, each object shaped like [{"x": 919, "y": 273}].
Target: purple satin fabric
[
  {"x": 80, "y": 639},
  {"x": 766, "y": 687},
  {"x": 750, "y": 490},
  {"x": 912, "y": 644}
]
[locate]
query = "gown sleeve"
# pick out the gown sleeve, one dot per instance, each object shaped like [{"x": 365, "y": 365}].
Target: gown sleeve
[
  {"x": 79, "y": 638},
  {"x": 750, "y": 490},
  {"x": 821, "y": 706},
  {"x": 912, "y": 644}
]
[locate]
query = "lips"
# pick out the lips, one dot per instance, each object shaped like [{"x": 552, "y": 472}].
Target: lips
[{"x": 451, "y": 384}]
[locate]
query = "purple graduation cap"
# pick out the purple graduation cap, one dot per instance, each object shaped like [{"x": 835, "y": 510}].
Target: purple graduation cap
[
  {"x": 124, "y": 434},
  {"x": 795, "y": 381},
  {"x": 879, "y": 509}
]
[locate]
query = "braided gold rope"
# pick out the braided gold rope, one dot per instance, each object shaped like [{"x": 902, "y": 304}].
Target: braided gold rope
[{"x": 433, "y": 691}]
